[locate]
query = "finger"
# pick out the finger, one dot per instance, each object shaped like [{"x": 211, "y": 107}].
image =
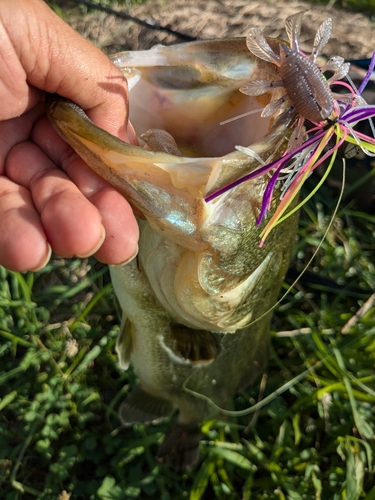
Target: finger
[
  {"x": 72, "y": 225},
  {"x": 121, "y": 241},
  {"x": 121, "y": 228},
  {"x": 23, "y": 244},
  {"x": 17, "y": 130}
]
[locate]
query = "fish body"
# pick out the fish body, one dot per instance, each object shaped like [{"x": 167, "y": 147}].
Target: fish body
[{"x": 196, "y": 301}]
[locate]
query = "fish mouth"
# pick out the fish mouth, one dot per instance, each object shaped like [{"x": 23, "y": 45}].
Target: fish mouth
[{"x": 192, "y": 91}]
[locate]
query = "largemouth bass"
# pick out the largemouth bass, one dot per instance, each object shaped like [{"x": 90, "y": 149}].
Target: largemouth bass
[{"x": 196, "y": 301}]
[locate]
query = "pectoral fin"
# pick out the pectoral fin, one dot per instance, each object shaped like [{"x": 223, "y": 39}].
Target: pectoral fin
[
  {"x": 142, "y": 407},
  {"x": 124, "y": 343},
  {"x": 191, "y": 347}
]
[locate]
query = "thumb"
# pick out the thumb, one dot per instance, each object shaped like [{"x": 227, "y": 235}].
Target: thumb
[{"x": 45, "y": 54}]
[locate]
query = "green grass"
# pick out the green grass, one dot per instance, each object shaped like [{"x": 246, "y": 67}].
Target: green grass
[{"x": 60, "y": 388}]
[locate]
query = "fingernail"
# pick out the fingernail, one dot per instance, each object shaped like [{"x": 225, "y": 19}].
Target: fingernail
[
  {"x": 44, "y": 261},
  {"x": 96, "y": 248},
  {"x": 128, "y": 260}
]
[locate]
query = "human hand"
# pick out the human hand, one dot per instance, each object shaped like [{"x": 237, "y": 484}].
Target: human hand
[{"x": 49, "y": 198}]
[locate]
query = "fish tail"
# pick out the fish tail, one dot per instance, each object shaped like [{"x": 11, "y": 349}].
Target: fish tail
[{"x": 180, "y": 449}]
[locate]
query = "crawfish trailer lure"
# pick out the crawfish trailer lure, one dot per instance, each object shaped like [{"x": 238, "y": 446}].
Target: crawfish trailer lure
[{"x": 306, "y": 98}]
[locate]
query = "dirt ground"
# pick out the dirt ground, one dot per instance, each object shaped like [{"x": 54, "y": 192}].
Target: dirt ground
[{"x": 352, "y": 37}]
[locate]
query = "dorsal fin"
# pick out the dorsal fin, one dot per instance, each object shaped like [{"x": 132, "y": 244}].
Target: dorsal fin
[{"x": 143, "y": 407}]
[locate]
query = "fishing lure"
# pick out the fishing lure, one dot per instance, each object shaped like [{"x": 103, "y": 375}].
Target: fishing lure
[{"x": 308, "y": 100}]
